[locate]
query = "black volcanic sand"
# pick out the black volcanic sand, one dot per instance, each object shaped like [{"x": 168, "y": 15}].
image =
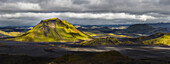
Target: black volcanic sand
[
  {"x": 69, "y": 53},
  {"x": 111, "y": 57},
  {"x": 59, "y": 49}
]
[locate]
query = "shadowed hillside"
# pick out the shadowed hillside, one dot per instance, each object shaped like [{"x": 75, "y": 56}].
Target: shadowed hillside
[
  {"x": 139, "y": 28},
  {"x": 111, "y": 57},
  {"x": 53, "y": 30},
  {"x": 144, "y": 29}
]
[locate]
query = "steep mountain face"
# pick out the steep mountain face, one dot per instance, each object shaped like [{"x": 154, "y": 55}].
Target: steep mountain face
[
  {"x": 163, "y": 39},
  {"x": 53, "y": 30}
]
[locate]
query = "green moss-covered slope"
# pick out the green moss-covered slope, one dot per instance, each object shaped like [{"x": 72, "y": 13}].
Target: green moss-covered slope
[
  {"x": 102, "y": 41},
  {"x": 53, "y": 30},
  {"x": 7, "y": 34},
  {"x": 164, "y": 39},
  {"x": 144, "y": 38},
  {"x": 3, "y": 34}
]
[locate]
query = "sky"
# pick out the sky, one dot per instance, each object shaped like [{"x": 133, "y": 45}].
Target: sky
[{"x": 86, "y": 12}]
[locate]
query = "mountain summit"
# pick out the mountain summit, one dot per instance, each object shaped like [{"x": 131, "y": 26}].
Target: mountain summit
[{"x": 53, "y": 30}]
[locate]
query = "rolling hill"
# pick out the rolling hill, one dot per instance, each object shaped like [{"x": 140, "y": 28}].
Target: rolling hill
[
  {"x": 155, "y": 39},
  {"x": 9, "y": 34},
  {"x": 163, "y": 39},
  {"x": 105, "y": 41}
]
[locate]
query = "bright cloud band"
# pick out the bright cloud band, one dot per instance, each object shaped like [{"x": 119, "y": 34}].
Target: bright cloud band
[{"x": 106, "y": 16}]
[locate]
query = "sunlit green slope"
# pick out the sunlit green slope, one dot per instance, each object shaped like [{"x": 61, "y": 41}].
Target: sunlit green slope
[
  {"x": 162, "y": 40},
  {"x": 53, "y": 30},
  {"x": 102, "y": 41},
  {"x": 5, "y": 34},
  {"x": 2, "y": 33}
]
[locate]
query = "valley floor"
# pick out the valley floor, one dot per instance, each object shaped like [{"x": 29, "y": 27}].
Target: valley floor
[{"x": 60, "y": 49}]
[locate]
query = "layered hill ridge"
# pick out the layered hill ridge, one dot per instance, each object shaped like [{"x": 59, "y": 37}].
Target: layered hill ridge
[
  {"x": 161, "y": 39},
  {"x": 155, "y": 39},
  {"x": 9, "y": 34},
  {"x": 53, "y": 30}
]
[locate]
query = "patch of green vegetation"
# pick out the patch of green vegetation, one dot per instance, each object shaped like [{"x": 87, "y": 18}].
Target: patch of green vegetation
[
  {"x": 2, "y": 33},
  {"x": 119, "y": 36},
  {"x": 50, "y": 19},
  {"x": 91, "y": 34},
  {"x": 128, "y": 42}
]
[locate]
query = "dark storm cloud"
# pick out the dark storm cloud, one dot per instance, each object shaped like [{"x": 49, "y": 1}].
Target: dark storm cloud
[
  {"x": 164, "y": 2},
  {"x": 80, "y": 2},
  {"x": 90, "y": 5},
  {"x": 30, "y": 12}
]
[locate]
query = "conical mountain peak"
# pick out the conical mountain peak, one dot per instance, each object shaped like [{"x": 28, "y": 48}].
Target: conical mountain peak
[
  {"x": 51, "y": 19},
  {"x": 53, "y": 30}
]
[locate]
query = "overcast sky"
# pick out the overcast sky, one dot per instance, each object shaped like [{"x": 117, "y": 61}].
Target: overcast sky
[{"x": 90, "y": 12}]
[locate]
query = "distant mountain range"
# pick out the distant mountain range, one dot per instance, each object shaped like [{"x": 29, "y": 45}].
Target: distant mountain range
[
  {"x": 52, "y": 30},
  {"x": 144, "y": 29}
]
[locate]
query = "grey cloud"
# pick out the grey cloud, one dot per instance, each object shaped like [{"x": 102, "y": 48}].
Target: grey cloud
[
  {"x": 80, "y": 2},
  {"x": 139, "y": 10},
  {"x": 164, "y": 2},
  {"x": 99, "y": 5},
  {"x": 29, "y": 18}
]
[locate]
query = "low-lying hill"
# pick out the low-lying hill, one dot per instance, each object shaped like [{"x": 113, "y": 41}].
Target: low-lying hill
[
  {"x": 105, "y": 41},
  {"x": 52, "y": 30},
  {"x": 144, "y": 29},
  {"x": 3, "y": 34},
  {"x": 162, "y": 39},
  {"x": 155, "y": 39},
  {"x": 7, "y": 34}
]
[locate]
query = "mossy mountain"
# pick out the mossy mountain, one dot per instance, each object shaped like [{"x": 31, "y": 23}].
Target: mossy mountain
[{"x": 53, "y": 30}]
